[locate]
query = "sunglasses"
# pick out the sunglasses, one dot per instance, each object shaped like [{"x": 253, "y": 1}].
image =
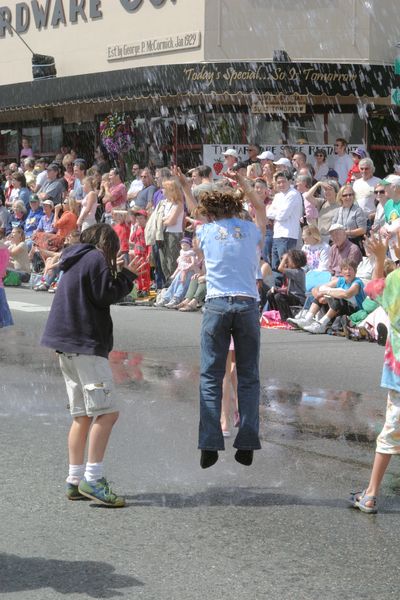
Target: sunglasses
[
  {"x": 379, "y": 192},
  {"x": 347, "y": 195}
]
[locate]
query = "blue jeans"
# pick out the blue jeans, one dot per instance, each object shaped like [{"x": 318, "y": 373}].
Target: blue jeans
[
  {"x": 267, "y": 251},
  {"x": 178, "y": 288},
  {"x": 237, "y": 316},
  {"x": 279, "y": 247}
]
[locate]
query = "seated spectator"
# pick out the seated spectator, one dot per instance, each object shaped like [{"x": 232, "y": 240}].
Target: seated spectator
[
  {"x": 341, "y": 249},
  {"x": 195, "y": 295},
  {"x": 188, "y": 264},
  {"x": 18, "y": 216},
  {"x": 316, "y": 251},
  {"x": 69, "y": 176},
  {"x": 341, "y": 296},
  {"x": 292, "y": 293},
  {"x": 323, "y": 196},
  {"x": 53, "y": 187},
  {"x": 32, "y": 220},
  {"x": 29, "y": 172},
  {"x": 40, "y": 174},
  {"x": 64, "y": 222},
  {"x": 4, "y": 218},
  {"x": 351, "y": 216},
  {"x": 364, "y": 188},
  {"x": 46, "y": 220},
  {"x": 19, "y": 255},
  {"x": 19, "y": 184}
]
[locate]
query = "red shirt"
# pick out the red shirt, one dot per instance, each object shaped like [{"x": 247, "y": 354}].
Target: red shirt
[
  {"x": 122, "y": 230},
  {"x": 119, "y": 197},
  {"x": 139, "y": 243}
]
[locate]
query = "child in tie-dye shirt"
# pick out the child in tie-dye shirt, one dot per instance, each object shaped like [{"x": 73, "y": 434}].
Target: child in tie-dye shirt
[{"x": 387, "y": 293}]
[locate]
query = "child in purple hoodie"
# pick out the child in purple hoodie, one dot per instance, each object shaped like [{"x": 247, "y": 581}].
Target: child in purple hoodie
[{"x": 80, "y": 330}]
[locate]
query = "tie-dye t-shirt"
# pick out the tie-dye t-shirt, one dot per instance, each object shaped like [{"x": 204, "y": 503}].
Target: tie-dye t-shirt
[{"x": 387, "y": 293}]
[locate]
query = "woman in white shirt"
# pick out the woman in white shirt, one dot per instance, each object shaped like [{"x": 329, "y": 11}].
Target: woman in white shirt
[
  {"x": 320, "y": 165},
  {"x": 89, "y": 204},
  {"x": 173, "y": 216}
]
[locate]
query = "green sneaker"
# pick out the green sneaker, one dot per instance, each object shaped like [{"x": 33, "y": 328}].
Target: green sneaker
[
  {"x": 101, "y": 493},
  {"x": 72, "y": 492}
]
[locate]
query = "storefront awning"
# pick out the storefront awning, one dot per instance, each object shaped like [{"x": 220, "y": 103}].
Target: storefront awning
[{"x": 267, "y": 78}]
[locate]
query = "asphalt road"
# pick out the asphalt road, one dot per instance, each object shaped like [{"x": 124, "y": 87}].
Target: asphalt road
[{"x": 280, "y": 529}]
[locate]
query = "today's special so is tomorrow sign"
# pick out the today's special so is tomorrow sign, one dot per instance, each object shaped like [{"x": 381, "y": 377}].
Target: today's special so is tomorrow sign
[{"x": 213, "y": 154}]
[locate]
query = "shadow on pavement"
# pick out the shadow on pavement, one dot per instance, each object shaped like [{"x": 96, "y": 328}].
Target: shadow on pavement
[
  {"x": 236, "y": 496},
  {"x": 95, "y": 579}
]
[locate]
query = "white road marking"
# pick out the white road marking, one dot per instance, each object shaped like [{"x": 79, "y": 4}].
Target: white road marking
[{"x": 27, "y": 307}]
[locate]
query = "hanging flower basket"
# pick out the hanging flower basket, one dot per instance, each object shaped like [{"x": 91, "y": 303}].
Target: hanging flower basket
[{"x": 116, "y": 133}]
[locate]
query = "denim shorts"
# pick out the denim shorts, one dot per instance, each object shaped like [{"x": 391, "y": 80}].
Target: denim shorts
[{"x": 89, "y": 384}]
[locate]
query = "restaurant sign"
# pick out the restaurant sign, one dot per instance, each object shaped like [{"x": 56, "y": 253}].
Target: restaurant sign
[
  {"x": 279, "y": 104},
  {"x": 213, "y": 154}
]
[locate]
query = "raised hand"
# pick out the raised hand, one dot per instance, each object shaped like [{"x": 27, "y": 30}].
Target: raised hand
[
  {"x": 137, "y": 265},
  {"x": 377, "y": 246},
  {"x": 177, "y": 172}
]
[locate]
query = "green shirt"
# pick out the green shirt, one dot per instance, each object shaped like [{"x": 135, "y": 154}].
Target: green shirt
[{"x": 392, "y": 211}]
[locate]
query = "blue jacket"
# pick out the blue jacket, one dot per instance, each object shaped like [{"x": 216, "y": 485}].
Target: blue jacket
[{"x": 80, "y": 320}]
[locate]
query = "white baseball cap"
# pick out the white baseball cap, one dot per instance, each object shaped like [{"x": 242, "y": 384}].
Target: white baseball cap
[
  {"x": 266, "y": 155},
  {"x": 391, "y": 180},
  {"x": 336, "y": 227},
  {"x": 231, "y": 152},
  {"x": 283, "y": 161}
]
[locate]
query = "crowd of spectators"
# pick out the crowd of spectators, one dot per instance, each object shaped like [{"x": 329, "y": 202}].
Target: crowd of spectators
[{"x": 314, "y": 260}]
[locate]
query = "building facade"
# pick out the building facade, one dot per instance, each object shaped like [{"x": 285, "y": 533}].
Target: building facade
[{"x": 195, "y": 74}]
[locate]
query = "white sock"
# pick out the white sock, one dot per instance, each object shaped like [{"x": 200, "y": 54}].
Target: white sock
[
  {"x": 309, "y": 316},
  {"x": 75, "y": 474},
  {"x": 93, "y": 471},
  {"x": 325, "y": 320}
]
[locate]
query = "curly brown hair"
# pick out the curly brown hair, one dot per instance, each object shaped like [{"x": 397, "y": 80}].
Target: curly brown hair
[{"x": 221, "y": 203}]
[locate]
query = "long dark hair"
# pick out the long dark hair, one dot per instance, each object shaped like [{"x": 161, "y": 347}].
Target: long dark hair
[{"x": 105, "y": 239}]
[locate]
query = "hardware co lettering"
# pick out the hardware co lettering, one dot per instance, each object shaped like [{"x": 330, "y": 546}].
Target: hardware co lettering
[{"x": 53, "y": 13}]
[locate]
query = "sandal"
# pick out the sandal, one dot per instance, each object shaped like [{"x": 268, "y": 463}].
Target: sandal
[{"x": 359, "y": 500}]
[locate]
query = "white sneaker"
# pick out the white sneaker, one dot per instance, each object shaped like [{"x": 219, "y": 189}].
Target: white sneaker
[
  {"x": 171, "y": 304},
  {"x": 300, "y": 323},
  {"x": 316, "y": 327}
]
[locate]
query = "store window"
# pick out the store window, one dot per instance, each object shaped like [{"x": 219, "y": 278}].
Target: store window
[
  {"x": 33, "y": 135},
  {"x": 348, "y": 126},
  {"x": 8, "y": 143},
  {"x": 52, "y": 139},
  {"x": 263, "y": 130},
  {"x": 45, "y": 139},
  {"x": 224, "y": 128},
  {"x": 308, "y": 129}
]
